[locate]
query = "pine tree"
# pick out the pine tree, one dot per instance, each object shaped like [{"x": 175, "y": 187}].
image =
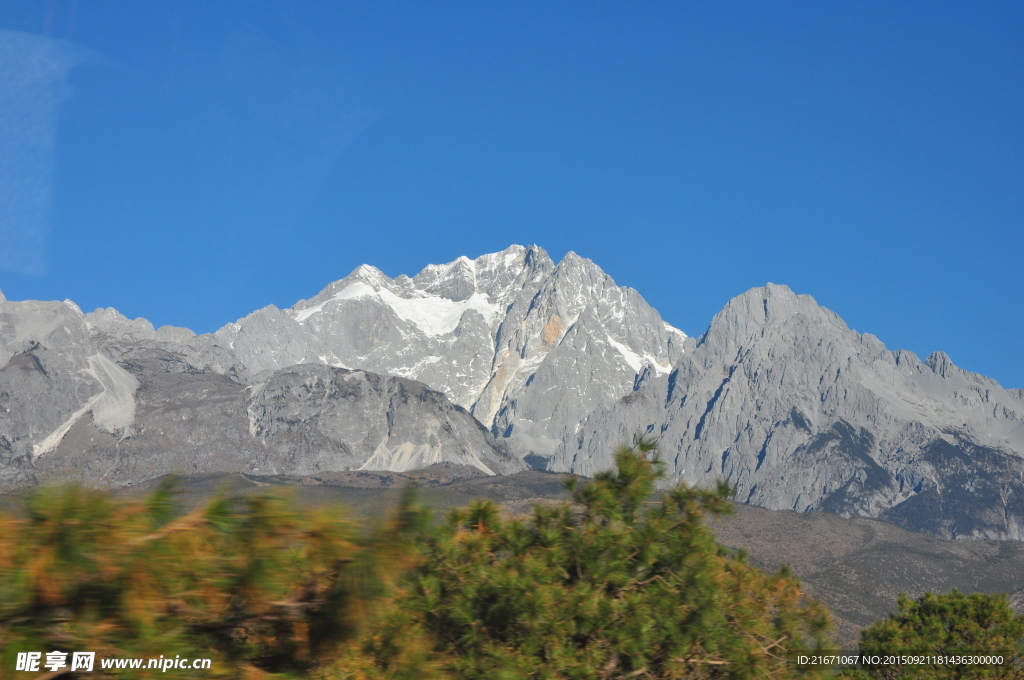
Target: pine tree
[
  {"x": 947, "y": 625},
  {"x": 616, "y": 584}
]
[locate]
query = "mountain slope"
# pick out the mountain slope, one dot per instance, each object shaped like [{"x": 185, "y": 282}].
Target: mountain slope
[{"x": 796, "y": 411}]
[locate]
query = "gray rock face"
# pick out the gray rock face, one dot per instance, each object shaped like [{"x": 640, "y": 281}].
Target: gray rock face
[
  {"x": 328, "y": 419},
  {"x": 796, "y": 411},
  {"x": 528, "y": 346},
  {"x": 51, "y": 375},
  {"x": 135, "y": 344},
  {"x": 304, "y": 420},
  {"x": 106, "y": 400}
]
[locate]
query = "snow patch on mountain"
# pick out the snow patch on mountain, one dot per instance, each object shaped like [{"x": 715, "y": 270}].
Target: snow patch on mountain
[
  {"x": 637, "y": 362},
  {"x": 432, "y": 314}
]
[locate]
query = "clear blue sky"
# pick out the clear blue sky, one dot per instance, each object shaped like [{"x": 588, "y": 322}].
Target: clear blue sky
[{"x": 192, "y": 161}]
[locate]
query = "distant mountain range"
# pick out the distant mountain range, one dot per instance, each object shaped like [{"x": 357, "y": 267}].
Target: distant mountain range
[{"x": 512, "y": 360}]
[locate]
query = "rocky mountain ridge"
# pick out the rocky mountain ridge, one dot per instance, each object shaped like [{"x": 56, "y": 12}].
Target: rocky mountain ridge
[
  {"x": 797, "y": 411},
  {"x": 510, "y": 358},
  {"x": 86, "y": 395}
]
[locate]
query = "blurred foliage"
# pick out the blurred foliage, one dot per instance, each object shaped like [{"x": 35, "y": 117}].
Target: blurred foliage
[
  {"x": 620, "y": 582},
  {"x": 250, "y": 582},
  {"x": 946, "y": 624}
]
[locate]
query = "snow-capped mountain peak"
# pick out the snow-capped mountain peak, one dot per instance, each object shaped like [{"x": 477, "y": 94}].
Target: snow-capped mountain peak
[{"x": 496, "y": 334}]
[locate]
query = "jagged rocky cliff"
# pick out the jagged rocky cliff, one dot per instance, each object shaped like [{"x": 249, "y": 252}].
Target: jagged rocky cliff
[{"x": 796, "y": 411}]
